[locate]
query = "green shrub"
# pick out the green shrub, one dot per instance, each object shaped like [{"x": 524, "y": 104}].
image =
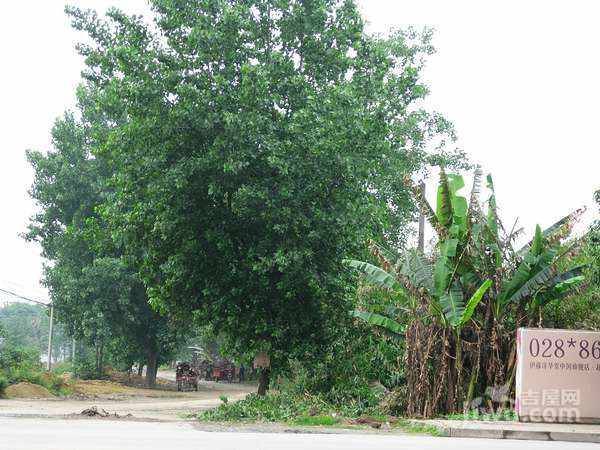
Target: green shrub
[
  {"x": 285, "y": 407},
  {"x": 62, "y": 368},
  {"x": 3, "y": 384},
  {"x": 14, "y": 357},
  {"x": 20, "y": 374},
  {"x": 85, "y": 369},
  {"x": 508, "y": 415},
  {"x": 54, "y": 383},
  {"x": 315, "y": 421},
  {"x": 270, "y": 408}
]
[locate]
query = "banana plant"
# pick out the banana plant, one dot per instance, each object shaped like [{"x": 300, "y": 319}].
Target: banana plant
[{"x": 474, "y": 268}]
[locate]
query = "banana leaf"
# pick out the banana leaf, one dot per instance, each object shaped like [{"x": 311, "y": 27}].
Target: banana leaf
[
  {"x": 519, "y": 278},
  {"x": 373, "y": 274},
  {"x": 492, "y": 222},
  {"x": 444, "y": 201},
  {"x": 379, "y": 321},
  {"x": 452, "y": 208},
  {"x": 538, "y": 242},
  {"x": 548, "y": 232},
  {"x": 536, "y": 282},
  {"x": 568, "y": 285},
  {"x": 426, "y": 208},
  {"x": 418, "y": 270},
  {"x": 441, "y": 275},
  {"x": 575, "y": 272},
  {"x": 560, "y": 290},
  {"x": 492, "y": 214},
  {"x": 453, "y": 304},
  {"x": 474, "y": 301},
  {"x": 475, "y": 190}
]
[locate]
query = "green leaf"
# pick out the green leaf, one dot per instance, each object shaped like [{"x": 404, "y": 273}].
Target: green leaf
[
  {"x": 441, "y": 275},
  {"x": 474, "y": 301},
  {"x": 418, "y": 270},
  {"x": 475, "y": 190},
  {"x": 560, "y": 290},
  {"x": 453, "y": 305},
  {"x": 426, "y": 209},
  {"x": 492, "y": 215},
  {"x": 548, "y": 232},
  {"x": 443, "y": 266},
  {"x": 451, "y": 208},
  {"x": 448, "y": 248},
  {"x": 379, "y": 321},
  {"x": 533, "y": 284},
  {"x": 569, "y": 284},
  {"x": 373, "y": 274},
  {"x": 575, "y": 272},
  {"x": 444, "y": 200},
  {"x": 538, "y": 242}
]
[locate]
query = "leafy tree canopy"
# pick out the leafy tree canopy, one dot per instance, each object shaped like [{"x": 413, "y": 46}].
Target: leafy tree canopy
[
  {"x": 96, "y": 292},
  {"x": 254, "y": 144}
]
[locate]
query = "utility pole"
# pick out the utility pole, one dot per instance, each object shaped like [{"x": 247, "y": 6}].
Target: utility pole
[
  {"x": 421, "y": 244},
  {"x": 73, "y": 350},
  {"x": 50, "y": 337}
]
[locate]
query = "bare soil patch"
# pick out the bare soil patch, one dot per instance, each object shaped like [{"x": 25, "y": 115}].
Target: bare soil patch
[
  {"x": 27, "y": 390},
  {"x": 123, "y": 402}
]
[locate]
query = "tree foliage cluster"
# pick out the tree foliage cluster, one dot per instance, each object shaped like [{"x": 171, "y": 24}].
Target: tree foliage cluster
[
  {"x": 24, "y": 325},
  {"x": 223, "y": 160},
  {"x": 96, "y": 291}
]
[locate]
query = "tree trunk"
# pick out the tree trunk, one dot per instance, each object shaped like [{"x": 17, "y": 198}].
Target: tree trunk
[
  {"x": 140, "y": 369},
  {"x": 263, "y": 381},
  {"x": 97, "y": 349},
  {"x": 101, "y": 359},
  {"x": 151, "y": 369}
]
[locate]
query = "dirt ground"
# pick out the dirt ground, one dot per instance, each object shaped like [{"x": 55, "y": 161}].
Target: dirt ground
[
  {"x": 163, "y": 403},
  {"x": 27, "y": 390}
]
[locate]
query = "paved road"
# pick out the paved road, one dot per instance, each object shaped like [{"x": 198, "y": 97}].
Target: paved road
[{"x": 49, "y": 434}]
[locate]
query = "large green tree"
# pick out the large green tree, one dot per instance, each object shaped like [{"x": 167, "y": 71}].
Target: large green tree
[
  {"x": 96, "y": 291},
  {"x": 254, "y": 144}
]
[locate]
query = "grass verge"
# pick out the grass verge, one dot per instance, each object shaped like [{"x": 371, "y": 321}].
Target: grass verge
[{"x": 507, "y": 415}]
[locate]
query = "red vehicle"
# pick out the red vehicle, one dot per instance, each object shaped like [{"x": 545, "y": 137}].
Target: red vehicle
[
  {"x": 212, "y": 368},
  {"x": 223, "y": 371},
  {"x": 186, "y": 377}
]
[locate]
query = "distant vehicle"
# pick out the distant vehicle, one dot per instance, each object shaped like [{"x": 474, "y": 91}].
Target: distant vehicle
[
  {"x": 213, "y": 369},
  {"x": 186, "y": 377}
]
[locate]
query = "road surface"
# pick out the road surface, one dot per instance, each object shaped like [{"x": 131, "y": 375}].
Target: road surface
[
  {"x": 142, "y": 404},
  {"x": 51, "y": 434}
]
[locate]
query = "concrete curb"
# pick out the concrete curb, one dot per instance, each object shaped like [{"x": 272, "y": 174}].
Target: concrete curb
[{"x": 481, "y": 431}]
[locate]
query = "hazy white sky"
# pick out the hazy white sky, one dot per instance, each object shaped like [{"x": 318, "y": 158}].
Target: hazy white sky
[{"x": 519, "y": 79}]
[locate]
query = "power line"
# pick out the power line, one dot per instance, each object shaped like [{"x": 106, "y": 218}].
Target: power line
[{"x": 24, "y": 298}]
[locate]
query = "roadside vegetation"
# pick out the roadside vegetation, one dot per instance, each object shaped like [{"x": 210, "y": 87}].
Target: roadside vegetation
[
  {"x": 465, "y": 301},
  {"x": 247, "y": 174},
  {"x": 308, "y": 411},
  {"x": 18, "y": 365}
]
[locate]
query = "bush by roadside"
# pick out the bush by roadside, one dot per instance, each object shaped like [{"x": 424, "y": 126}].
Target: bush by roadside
[
  {"x": 53, "y": 382},
  {"x": 22, "y": 364},
  {"x": 307, "y": 410},
  {"x": 284, "y": 407},
  {"x": 3, "y": 384}
]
